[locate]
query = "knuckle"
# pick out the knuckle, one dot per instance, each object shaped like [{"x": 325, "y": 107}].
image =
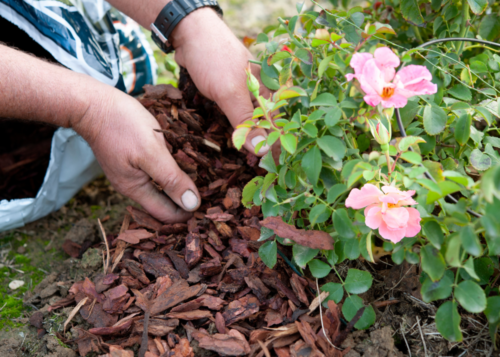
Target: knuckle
[{"x": 172, "y": 180}]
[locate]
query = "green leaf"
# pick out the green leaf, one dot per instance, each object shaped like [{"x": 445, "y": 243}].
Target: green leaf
[
  {"x": 319, "y": 269},
  {"x": 289, "y": 126},
  {"x": 333, "y": 116},
  {"x": 267, "y": 163},
  {"x": 412, "y": 157},
  {"x": 289, "y": 142},
  {"x": 335, "y": 191},
  {"x": 471, "y": 296},
  {"x": 478, "y": 6},
  {"x": 461, "y": 92},
  {"x": 479, "y": 160},
  {"x": 311, "y": 164},
  {"x": 269, "y": 82},
  {"x": 447, "y": 187},
  {"x": 462, "y": 129},
  {"x": 430, "y": 185},
  {"x": 240, "y": 136},
  {"x": 406, "y": 142},
  {"x": 358, "y": 281},
  {"x": 448, "y": 322},
  {"x": 278, "y": 57},
  {"x": 411, "y": 12},
  {"x": 432, "y": 262},
  {"x": 336, "y": 291},
  {"x": 325, "y": 100},
  {"x": 265, "y": 234},
  {"x": 470, "y": 241},
  {"x": 304, "y": 55},
  {"x": 469, "y": 268},
  {"x": 489, "y": 28},
  {"x": 292, "y": 92},
  {"x": 323, "y": 65},
  {"x": 351, "y": 249},
  {"x": 351, "y": 306},
  {"x": 453, "y": 251},
  {"x": 303, "y": 255},
  {"x": 268, "y": 252},
  {"x": 262, "y": 38},
  {"x": 333, "y": 147},
  {"x": 249, "y": 190},
  {"x": 434, "y": 119},
  {"x": 437, "y": 290},
  {"x": 291, "y": 179},
  {"x": 492, "y": 310},
  {"x": 310, "y": 129},
  {"x": 433, "y": 231},
  {"x": 343, "y": 224},
  {"x": 458, "y": 178},
  {"x": 319, "y": 214}
]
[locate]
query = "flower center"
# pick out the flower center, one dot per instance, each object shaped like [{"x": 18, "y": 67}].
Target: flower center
[
  {"x": 392, "y": 205},
  {"x": 387, "y": 92}
]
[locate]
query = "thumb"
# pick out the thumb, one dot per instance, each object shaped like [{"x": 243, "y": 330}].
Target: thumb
[{"x": 239, "y": 108}]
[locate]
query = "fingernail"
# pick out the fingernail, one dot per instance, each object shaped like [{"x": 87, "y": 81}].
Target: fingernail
[
  {"x": 255, "y": 141},
  {"x": 189, "y": 200}
]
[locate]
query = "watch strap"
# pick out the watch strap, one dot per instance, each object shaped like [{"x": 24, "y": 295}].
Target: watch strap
[{"x": 171, "y": 15}]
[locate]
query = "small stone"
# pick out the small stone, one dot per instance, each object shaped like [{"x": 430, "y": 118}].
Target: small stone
[
  {"x": 49, "y": 291},
  {"x": 37, "y": 319},
  {"x": 92, "y": 259},
  {"x": 21, "y": 250},
  {"x": 16, "y": 284},
  {"x": 82, "y": 231}
]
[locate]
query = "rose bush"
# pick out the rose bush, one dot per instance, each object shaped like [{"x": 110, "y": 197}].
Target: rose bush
[{"x": 368, "y": 116}]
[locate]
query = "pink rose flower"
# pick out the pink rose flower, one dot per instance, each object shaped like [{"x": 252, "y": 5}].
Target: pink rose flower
[
  {"x": 380, "y": 82},
  {"x": 384, "y": 211}
]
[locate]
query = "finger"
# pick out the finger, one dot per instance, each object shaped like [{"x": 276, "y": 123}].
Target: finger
[
  {"x": 238, "y": 107},
  {"x": 157, "y": 203},
  {"x": 163, "y": 169}
]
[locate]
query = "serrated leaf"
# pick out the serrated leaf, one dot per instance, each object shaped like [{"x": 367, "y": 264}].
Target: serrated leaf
[
  {"x": 447, "y": 188},
  {"x": 240, "y": 136},
  {"x": 489, "y": 28},
  {"x": 492, "y": 310},
  {"x": 249, "y": 190},
  {"x": 479, "y": 160},
  {"x": 335, "y": 290},
  {"x": 432, "y": 262},
  {"x": 471, "y": 296},
  {"x": 448, "y": 322},
  {"x": 335, "y": 191},
  {"x": 358, "y": 281},
  {"x": 412, "y": 157},
  {"x": 461, "y": 92},
  {"x": 434, "y": 233},
  {"x": 478, "y": 6},
  {"x": 325, "y": 100},
  {"x": 310, "y": 129},
  {"x": 292, "y": 92},
  {"x": 406, "y": 142},
  {"x": 268, "y": 253},
  {"x": 304, "y": 55},
  {"x": 351, "y": 306},
  {"x": 437, "y": 290},
  {"x": 318, "y": 268},
  {"x": 462, "y": 129},
  {"x": 343, "y": 224},
  {"x": 289, "y": 142},
  {"x": 267, "y": 163},
  {"x": 411, "y": 12},
  {"x": 319, "y": 214},
  {"x": 333, "y": 147},
  {"x": 311, "y": 164},
  {"x": 434, "y": 119},
  {"x": 470, "y": 241},
  {"x": 278, "y": 57},
  {"x": 303, "y": 255}
]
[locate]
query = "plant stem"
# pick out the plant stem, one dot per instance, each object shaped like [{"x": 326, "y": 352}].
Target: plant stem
[
  {"x": 465, "y": 19},
  {"x": 416, "y": 31},
  {"x": 388, "y": 159}
]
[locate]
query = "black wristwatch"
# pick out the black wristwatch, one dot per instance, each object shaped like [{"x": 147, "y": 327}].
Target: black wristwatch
[{"x": 171, "y": 15}]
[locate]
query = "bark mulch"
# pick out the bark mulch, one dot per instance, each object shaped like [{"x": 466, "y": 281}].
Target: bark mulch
[{"x": 186, "y": 289}]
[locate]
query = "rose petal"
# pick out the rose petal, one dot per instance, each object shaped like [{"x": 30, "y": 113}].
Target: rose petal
[
  {"x": 386, "y": 61},
  {"x": 413, "y": 74},
  {"x": 371, "y": 80},
  {"x": 396, "y": 101},
  {"x": 358, "y": 61},
  {"x": 413, "y": 225},
  {"x": 392, "y": 235},
  {"x": 372, "y": 99},
  {"x": 369, "y": 194},
  {"x": 396, "y": 218},
  {"x": 373, "y": 216}
]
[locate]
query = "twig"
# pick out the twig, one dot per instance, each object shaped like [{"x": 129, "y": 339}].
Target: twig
[
  {"x": 74, "y": 312},
  {"x": 404, "y": 337},
  {"x": 106, "y": 266},
  {"x": 422, "y": 335},
  {"x": 144, "y": 341},
  {"x": 321, "y": 318}
]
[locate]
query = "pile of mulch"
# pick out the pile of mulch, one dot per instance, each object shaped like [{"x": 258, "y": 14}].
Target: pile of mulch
[
  {"x": 24, "y": 157},
  {"x": 186, "y": 289}
]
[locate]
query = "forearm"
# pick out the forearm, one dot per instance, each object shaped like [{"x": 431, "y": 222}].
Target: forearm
[
  {"x": 144, "y": 12},
  {"x": 33, "y": 89}
]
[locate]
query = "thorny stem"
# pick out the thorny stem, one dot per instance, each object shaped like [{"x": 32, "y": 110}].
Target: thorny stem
[
  {"x": 388, "y": 158},
  {"x": 395, "y": 161}
]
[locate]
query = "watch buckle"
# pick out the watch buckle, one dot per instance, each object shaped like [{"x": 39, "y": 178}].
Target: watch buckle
[{"x": 159, "y": 35}]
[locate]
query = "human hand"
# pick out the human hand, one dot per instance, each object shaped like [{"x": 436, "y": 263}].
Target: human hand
[
  {"x": 216, "y": 61},
  {"x": 121, "y": 133}
]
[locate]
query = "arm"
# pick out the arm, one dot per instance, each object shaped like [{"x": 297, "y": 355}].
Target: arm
[
  {"x": 116, "y": 126},
  {"x": 214, "y": 57}
]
